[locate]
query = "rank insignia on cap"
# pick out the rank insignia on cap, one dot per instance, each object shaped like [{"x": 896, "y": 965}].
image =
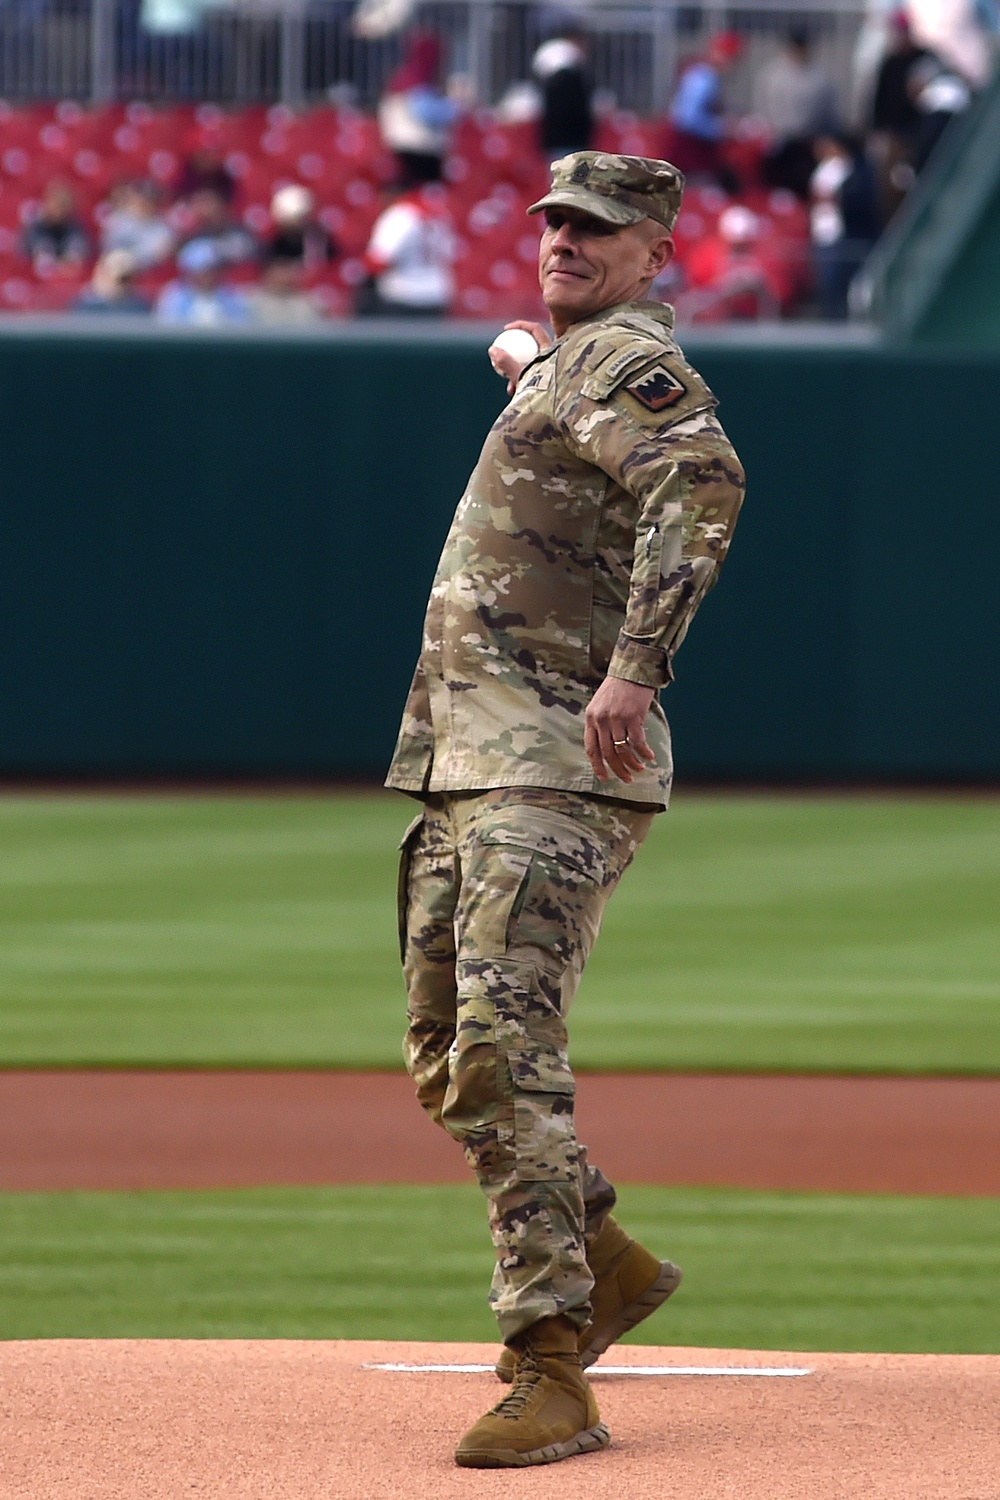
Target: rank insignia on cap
[{"x": 657, "y": 389}]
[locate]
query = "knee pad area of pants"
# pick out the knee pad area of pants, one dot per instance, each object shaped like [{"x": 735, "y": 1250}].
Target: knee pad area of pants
[{"x": 511, "y": 1090}]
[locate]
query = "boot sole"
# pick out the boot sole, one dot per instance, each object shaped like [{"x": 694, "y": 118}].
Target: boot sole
[
  {"x": 631, "y": 1316},
  {"x": 588, "y": 1441}
]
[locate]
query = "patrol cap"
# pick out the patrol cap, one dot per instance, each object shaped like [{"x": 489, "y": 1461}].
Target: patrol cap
[{"x": 618, "y": 189}]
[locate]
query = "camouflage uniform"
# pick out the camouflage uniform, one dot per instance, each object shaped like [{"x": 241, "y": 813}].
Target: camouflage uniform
[
  {"x": 501, "y": 897},
  {"x": 593, "y": 524}
]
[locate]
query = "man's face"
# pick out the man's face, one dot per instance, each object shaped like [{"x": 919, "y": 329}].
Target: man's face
[
  {"x": 57, "y": 204},
  {"x": 284, "y": 277},
  {"x": 208, "y": 209},
  {"x": 827, "y": 147},
  {"x": 585, "y": 265}
]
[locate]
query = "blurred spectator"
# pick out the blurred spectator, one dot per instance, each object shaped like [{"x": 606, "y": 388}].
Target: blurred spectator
[
  {"x": 895, "y": 118},
  {"x": 939, "y": 94},
  {"x": 209, "y": 218},
  {"x": 298, "y": 236},
  {"x": 893, "y": 109},
  {"x": 135, "y": 224},
  {"x": 205, "y": 166},
  {"x": 280, "y": 299},
  {"x": 962, "y": 33},
  {"x": 794, "y": 98},
  {"x": 414, "y": 116},
  {"x": 375, "y": 19},
  {"x": 200, "y": 299},
  {"x": 567, "y": 122},
  {"x": 729, "y": 273},
  {"x": 696, "y": 115},
  {"x": 409, "y": 260},
  {"x": 56, "y": 240},
  {"x": 844, "y": 220},
  {"x": 110, "y": 289}
]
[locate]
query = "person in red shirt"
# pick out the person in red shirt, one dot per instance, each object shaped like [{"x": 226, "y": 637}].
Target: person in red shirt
[
  {"x": 409, "y": 259},
  {"x": 731, "y": 276}
]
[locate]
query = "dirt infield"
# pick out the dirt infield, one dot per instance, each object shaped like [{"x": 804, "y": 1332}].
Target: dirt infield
[
  {"x": 231, "y": 1129},
  {"x": 284, "y": 1420}
]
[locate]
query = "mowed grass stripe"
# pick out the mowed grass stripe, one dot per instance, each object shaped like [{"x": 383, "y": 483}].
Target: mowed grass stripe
[
  {"x": 789, "y": 933},
  {"x": 763, "y": 1270}
]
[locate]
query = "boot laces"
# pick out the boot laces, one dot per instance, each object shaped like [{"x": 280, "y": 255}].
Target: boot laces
[{"x": 527, "y": 1378}]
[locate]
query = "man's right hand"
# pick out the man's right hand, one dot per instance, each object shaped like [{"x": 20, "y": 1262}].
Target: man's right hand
[{"x": 506, "y": 364}]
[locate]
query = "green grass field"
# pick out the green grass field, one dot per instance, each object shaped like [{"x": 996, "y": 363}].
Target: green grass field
[
  {"x": 762, "y": 932},
  {"x": 841, "y": 933},
  {"x": 764, "y": 1270}
]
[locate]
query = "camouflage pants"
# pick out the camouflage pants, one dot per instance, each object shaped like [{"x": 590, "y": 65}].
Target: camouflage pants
[{"x": 501, "y": 899}]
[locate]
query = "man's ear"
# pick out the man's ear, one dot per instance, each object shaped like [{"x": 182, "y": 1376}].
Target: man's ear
[{"x": 661, "y": 253}]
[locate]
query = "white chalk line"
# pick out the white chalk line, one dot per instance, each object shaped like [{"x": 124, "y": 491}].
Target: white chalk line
[{"x": 768, "y": 1372}]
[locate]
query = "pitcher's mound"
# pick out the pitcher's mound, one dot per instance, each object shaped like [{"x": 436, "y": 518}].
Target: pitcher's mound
[{"x": 142, "y": 1419}]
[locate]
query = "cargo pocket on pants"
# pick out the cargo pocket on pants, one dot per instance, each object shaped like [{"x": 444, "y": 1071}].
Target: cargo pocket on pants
[
  {"x": 554, "y": 868},
  {"x": 544, "y": 1092},
  {"x": 407, "y": 845}
]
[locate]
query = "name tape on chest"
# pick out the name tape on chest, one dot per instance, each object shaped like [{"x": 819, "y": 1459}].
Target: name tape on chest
[{"x": 657, "y": 389}]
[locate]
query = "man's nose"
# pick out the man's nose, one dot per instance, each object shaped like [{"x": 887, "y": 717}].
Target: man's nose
[{"x": 564, "y": 239}]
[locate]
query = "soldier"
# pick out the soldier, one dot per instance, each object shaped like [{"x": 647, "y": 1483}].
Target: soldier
[{"x": 593, "y": 525}]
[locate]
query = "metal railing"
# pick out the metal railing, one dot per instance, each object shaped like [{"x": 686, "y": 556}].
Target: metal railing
[{"x": 299, "y": 52}]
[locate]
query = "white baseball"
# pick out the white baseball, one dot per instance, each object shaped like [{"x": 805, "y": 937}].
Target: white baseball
[{"x": 517, "y": 342}]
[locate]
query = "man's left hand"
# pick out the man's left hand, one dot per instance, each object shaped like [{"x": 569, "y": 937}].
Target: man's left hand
[{"x": 615, "y": 733}]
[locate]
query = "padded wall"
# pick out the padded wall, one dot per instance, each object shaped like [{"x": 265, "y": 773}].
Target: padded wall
[{"x": 214, "y": 555}]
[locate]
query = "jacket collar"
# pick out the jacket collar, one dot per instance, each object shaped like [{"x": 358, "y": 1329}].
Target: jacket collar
[{"x": 660, "y": 312}]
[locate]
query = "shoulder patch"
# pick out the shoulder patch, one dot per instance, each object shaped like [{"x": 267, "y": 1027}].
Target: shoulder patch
[
  {"x": 656, "y": 389},
  {"x": 611, "y": 368},
  {"x": 614, "y": 368}
]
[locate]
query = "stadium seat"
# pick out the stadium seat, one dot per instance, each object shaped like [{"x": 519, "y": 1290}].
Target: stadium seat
[{"x": 492, "y": 174}]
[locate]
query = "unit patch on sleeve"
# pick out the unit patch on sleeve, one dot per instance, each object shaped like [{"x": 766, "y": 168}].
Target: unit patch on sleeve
[{"x": 657, "y": 389}]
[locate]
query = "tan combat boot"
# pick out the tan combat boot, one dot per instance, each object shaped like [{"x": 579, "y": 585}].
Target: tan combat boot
[
  {"x": 629, "y": 1284},
  {"x": 550, "y": 1412}
]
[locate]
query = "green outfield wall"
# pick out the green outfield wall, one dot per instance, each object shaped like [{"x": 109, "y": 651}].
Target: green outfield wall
[{"x": 215, "y": 551}]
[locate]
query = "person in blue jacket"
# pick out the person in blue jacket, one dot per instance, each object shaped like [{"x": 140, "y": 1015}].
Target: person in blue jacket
[
  {"x": 696, "y": 114},
  {"x": 200, "y": 298}
]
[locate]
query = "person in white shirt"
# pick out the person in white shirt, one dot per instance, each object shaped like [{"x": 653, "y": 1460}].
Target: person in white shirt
[
  {"x": 795, "y": 99},
  {"x": 135, "y": 225},
  {"x": 409, "y": 260},
  {"x": 843, "y": 218},
  {"x": 415, "y": 117}
]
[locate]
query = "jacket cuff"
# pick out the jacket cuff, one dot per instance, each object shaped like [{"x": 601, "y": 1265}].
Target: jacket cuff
[{"x": 635, "y": 661}]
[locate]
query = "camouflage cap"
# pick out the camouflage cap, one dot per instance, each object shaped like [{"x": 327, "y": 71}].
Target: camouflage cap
[{"x": 618, "y": 189}]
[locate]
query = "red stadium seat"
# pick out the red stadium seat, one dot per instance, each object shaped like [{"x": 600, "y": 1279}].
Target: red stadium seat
[
  {"x": 16, "y": 291},
  {"x": 624, "y": 133},
  {"x": 492, "y": 174}
]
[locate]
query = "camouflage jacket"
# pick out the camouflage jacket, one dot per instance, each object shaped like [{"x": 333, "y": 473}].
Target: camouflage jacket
[{"x": 592, "y": 527}]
